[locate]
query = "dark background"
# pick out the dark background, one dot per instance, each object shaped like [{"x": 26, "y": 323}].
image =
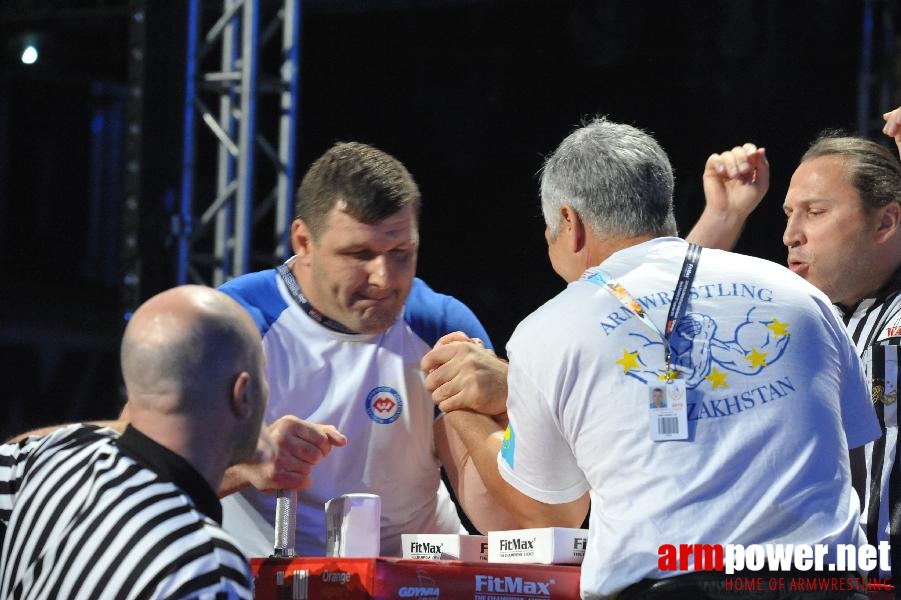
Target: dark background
[{"x": 470, "y": 95}]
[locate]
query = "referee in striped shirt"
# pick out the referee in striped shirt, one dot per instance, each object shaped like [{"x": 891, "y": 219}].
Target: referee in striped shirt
[
  {"x": 843, "y": 233},
  {"x": 88, "y": 513}
]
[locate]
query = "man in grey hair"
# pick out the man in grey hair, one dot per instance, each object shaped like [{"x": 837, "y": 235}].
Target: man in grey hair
[{"x": 737, "y": 343}]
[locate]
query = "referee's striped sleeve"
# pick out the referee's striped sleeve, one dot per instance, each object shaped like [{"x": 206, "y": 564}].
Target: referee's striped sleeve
[{"x": 81, "y": 519}]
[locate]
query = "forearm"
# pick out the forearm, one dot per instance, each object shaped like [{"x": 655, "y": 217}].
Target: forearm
[
  {"x": 483, "y": 438},
  {"x": 481, "y": 507},
  {"x": 717, "y": 229},
  {"x": 234, "y": 480}
]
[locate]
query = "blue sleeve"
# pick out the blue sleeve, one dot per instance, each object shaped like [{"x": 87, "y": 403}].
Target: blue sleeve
[
  {"x": 258, "y": 294},
  {"x": 432, "y": 315}
]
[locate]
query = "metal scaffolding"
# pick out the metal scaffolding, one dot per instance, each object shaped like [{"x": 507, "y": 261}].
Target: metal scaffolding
[
  {"x": 217, "y": 223},
  {"x": 130, "y": 262},
  {"x": 879, "y": 81}
]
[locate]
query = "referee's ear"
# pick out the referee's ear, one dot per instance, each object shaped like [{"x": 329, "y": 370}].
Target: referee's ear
[
  {"x": 241, "y": 402},
  {"x": 889, "y": 220}
]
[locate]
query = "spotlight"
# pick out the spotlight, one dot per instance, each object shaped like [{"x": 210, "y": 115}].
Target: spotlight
[{"x": 29, "y": 55}]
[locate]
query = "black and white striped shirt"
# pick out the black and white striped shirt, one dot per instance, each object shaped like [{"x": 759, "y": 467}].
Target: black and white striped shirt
[
  {"x": 875, "y": 327},
  {"x": 86, "y": 513}
]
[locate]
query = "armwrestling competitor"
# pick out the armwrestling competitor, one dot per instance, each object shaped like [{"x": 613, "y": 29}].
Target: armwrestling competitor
[{"x": 344, "y": 325}]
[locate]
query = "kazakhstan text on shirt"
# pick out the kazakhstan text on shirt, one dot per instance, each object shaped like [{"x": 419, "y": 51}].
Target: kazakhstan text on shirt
[
  {"x": 723, "y": 407},
  {"x": 710, "y": 290}
]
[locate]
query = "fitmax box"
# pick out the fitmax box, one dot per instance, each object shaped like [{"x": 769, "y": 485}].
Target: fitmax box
[
  {"x": 333, "y": 578},
  {"x": 445, "y": 546},
  {"x": 543, "y": 545}
]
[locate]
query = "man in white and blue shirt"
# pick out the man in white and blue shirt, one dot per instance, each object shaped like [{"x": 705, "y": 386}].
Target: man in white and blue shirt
[{"x": 344, "y": 325}]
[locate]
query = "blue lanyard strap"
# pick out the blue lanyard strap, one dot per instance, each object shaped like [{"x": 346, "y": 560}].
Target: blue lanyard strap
[
  {"x": 294, "y": 289},
  {"x": 680, "y": 294},
  {"x": 677, "y": 306}
]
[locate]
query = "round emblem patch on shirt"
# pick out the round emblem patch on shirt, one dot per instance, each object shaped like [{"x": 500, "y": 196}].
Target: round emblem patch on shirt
[{"x": 384, "y": 405}]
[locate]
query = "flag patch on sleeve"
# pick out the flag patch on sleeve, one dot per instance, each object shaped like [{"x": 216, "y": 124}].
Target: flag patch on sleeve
[{"x": 509, "y": 445}]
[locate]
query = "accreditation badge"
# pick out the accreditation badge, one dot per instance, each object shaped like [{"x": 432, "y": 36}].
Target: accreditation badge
[{"x": 668, "y": 410}]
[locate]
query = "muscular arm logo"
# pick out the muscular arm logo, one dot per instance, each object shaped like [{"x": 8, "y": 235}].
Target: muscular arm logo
[{"x": 697, "y": 350}]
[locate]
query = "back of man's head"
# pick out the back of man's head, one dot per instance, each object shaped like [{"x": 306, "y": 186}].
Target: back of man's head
[
  {"x": 873, "y": 170},
  {"x": 369, "y": 184},
  {"x": 183, "y": 349},
  {"x": 617, "y": 178}
]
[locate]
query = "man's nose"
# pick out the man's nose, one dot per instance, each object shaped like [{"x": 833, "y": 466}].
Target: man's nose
[
  {"x": 794, "y": 234},
  {"x": 378, "y": 271}
]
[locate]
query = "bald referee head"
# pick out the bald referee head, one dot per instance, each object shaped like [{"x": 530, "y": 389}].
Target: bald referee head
[
  {"x": 129, "y": 508},
  {"x": 192, "y": 362}
]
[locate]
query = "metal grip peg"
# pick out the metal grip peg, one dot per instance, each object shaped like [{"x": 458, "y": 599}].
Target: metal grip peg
[{"x": 285, "y": 523}]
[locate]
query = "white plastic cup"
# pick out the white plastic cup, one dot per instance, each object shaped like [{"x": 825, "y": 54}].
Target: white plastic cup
[{"x": 352, "y": 524}]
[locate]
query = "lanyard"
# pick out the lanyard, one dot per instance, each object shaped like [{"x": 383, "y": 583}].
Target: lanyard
[
  {"x": 296, "y": 293},
  {"x": 676, "y": 308}
]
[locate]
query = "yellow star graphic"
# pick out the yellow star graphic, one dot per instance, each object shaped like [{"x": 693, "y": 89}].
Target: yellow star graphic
[
  {"x": 717, "y": 379},
  {"x": 778, "y": 328},
  {"x": 757, "y": 359},
  {"x": 629, "y": 361}
]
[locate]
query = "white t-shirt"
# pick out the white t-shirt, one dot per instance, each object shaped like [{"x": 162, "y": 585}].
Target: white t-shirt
[
  {"x": 368, "y": 386},
  {"x": 776, "y": 397}
]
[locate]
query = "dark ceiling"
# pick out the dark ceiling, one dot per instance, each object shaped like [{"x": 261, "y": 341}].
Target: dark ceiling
[{"x": 469, "y": 94}]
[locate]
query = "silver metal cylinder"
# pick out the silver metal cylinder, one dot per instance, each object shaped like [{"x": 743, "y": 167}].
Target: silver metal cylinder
[{"x": 285, "y": 523}]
